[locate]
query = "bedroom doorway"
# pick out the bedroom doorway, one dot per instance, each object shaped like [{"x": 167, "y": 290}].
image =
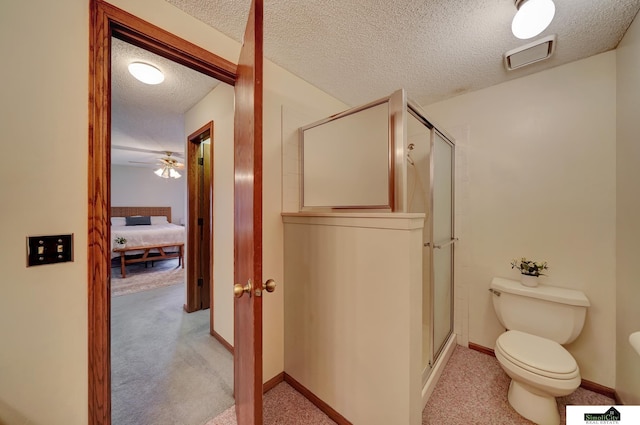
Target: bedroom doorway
[
  {"x": 200, "y": 221},
  {"x": 108, "y": 20}
]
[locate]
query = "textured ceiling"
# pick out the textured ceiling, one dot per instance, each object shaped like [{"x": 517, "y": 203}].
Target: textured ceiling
[
  {"x": 357, "y": 51},
  {"x": 360, "y": 50},
  {"x": 150, "y": 117}
]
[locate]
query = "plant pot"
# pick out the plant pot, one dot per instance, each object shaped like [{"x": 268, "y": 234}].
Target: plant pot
[
  {"x": 529, "y": 280},
  {"x": 119, "y": 245}
]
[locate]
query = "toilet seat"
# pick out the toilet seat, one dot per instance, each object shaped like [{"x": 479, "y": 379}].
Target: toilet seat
[{"x": 537, "y": 355}]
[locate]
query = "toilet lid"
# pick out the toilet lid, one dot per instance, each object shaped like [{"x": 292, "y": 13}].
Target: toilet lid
[{"x": 538, "y": 355}]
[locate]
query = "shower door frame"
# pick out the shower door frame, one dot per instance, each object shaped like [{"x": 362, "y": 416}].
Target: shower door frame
[{"x": 416, "y": 111}]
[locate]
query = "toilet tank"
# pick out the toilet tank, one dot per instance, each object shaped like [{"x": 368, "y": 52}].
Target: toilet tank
[{"x": 547, "y": 311}]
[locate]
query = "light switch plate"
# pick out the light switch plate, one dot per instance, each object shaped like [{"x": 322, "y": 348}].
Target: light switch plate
[{"x": 49, "y": 249}]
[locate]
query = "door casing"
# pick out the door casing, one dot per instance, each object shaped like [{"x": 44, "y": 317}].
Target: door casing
[
  {"x": 107, "y": 21},
  {"x": 200, "y": 222}
]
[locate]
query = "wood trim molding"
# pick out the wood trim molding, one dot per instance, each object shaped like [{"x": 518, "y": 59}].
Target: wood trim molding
[
  {"x": 600, "y": 389},
  {"x": 587, "y": 385},
  {"x": 106, "y": 20},
  {"x": 200, "y": 235},
  {"x": 138, "y": 32},
  {"x": 482, "y": 349},
  {"x": 320, "y": 404},
  {"x": 222, "y": 341},
  {"x": 271, "y": 383}
]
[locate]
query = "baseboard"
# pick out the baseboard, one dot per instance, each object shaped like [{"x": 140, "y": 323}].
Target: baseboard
[
  {"x": 222, "y": 341},
  {"x": 600, "y": 389},
  {"x": 482, "y": 349},
  {"x": 587, "y": 385},
  {"x": 272, "y": 382},
  {"x": 324, "y": 407}
]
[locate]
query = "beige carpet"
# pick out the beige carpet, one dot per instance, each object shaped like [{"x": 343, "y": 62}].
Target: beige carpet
[{"x": 139, "y": 278}]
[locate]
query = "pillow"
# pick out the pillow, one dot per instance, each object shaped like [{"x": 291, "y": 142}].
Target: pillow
[
  {"x": 118, "y": 221},
  {"x": 140, "y": 220},
  {"x": 159, "y": 219}
]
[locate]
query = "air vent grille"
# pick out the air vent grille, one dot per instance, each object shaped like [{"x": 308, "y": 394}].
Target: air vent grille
[{"x": 530, "y": 53}]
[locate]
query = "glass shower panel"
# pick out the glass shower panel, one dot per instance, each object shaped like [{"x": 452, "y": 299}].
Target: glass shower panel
[{"x": 443, "y": 241}]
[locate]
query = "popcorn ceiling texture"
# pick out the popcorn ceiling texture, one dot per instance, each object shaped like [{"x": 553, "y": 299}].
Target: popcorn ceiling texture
[
  {"x": 151, "y": 116},
  {"x": 181, "y": 89},
  {"x": 361, "y": 50}
]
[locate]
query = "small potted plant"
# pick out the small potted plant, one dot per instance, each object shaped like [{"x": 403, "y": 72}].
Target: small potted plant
[
  {"x": 530, "y": 270},
  {"x": 120, "y": 242}
]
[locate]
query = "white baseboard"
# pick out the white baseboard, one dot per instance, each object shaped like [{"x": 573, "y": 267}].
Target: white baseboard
[{"x": 430, "y": 385}]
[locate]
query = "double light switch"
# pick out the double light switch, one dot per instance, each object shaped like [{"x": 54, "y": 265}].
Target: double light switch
[{"x": 49, "y": 249}]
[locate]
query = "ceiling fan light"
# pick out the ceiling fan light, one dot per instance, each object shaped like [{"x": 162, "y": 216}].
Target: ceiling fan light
[
  {"x": 174, "y": 174},
  {"x": 146, "y": 73},
  {"x": 533, "y": 17},
  {"x": 158, "y": 172}
]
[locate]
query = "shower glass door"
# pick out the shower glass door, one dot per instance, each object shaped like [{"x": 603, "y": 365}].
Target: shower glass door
[{"x": 443, "y": 240}]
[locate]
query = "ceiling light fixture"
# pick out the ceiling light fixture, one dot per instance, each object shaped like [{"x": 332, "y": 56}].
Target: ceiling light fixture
[
  {"x": 167, "y": 171},
  {"x": 533, "y": 17},
  {"x": 146, "y": 73}
]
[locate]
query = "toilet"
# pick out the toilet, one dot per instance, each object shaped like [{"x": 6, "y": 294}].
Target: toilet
[{"x": 539, "y": 320}]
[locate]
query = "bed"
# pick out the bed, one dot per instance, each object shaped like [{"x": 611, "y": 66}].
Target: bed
[{"x": 147, "y": 228}]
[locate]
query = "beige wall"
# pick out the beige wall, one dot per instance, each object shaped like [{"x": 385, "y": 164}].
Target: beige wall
[
  {"x": 536, "y": 178},
  {"x": 139, "y": 186},
  {"x": 43, "y": 128},
  {"x": 628, "y": 213},
  {"x": 43, "y": 310},
  {"x": 353, "y": 313}
]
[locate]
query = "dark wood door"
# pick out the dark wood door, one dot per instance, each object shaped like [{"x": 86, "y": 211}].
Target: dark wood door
[
  {"x": 248, "y": 223},
  {"x": 199, "y": 209}
]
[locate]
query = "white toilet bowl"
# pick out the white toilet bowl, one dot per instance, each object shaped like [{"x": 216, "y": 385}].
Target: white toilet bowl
[{"x": 540, "y": 370}]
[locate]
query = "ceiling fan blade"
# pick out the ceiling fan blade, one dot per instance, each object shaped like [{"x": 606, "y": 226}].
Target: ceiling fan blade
[
  {"x": 140, "y": 162},
  {"x": 142, "y": 150}
]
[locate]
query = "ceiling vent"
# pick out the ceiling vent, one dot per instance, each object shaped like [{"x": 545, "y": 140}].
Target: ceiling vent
[{"x": 530, "y": 53}]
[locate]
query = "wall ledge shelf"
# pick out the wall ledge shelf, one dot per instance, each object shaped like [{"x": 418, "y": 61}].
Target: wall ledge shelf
[{"x": 389, "y": 220}]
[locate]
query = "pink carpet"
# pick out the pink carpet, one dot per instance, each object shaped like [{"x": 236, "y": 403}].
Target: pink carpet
[{"x": 472, "y": 390}]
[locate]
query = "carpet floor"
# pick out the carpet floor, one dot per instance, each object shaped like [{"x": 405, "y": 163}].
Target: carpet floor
[
  {"x": 165, "y": 367},
  {"x": 141, "y": 278},
  {"x": 472, "y": 390}
]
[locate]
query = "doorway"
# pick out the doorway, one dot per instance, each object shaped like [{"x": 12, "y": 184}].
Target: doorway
[
  {"x": 108, "y": 20},
  {"x": 200, "y": 220},
  {"x": 149, "y": 321}
]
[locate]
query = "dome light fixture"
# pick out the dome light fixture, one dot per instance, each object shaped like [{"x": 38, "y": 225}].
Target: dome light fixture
[
  {"x": 146, "y": 73},
  {"x": 533, "y": 17}
]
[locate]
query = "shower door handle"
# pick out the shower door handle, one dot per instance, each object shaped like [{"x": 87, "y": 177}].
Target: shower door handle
[{"x": 452, "y": 241}]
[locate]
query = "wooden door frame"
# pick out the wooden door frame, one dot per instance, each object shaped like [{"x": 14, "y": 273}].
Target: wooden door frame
[
  {"x": 107, "y": 21},
  {"x": 195, "y": 296}
]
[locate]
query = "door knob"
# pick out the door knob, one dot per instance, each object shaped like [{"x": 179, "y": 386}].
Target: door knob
[
  {"x": 240, "y": 290},
  {"x": 269, "y": 285}
]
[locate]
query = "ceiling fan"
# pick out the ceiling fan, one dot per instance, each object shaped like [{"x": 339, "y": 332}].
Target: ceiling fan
[{"x": 168, "y": 166}]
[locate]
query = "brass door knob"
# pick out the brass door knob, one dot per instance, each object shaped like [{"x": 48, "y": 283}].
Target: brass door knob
[
  {"x": 269, "y": 285},
  {"x": 240, "y": 290}
]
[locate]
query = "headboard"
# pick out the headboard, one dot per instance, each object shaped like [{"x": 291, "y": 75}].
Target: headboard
[{"x": 129, "y": 211}]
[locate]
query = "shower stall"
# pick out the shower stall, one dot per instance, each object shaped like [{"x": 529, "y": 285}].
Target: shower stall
[
  {"x": 387, "y": 157},
  {"x": 430, "y": 190}
]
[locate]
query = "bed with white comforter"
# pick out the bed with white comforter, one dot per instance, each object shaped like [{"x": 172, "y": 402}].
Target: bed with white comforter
[{"x": 160, "y": 231}]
